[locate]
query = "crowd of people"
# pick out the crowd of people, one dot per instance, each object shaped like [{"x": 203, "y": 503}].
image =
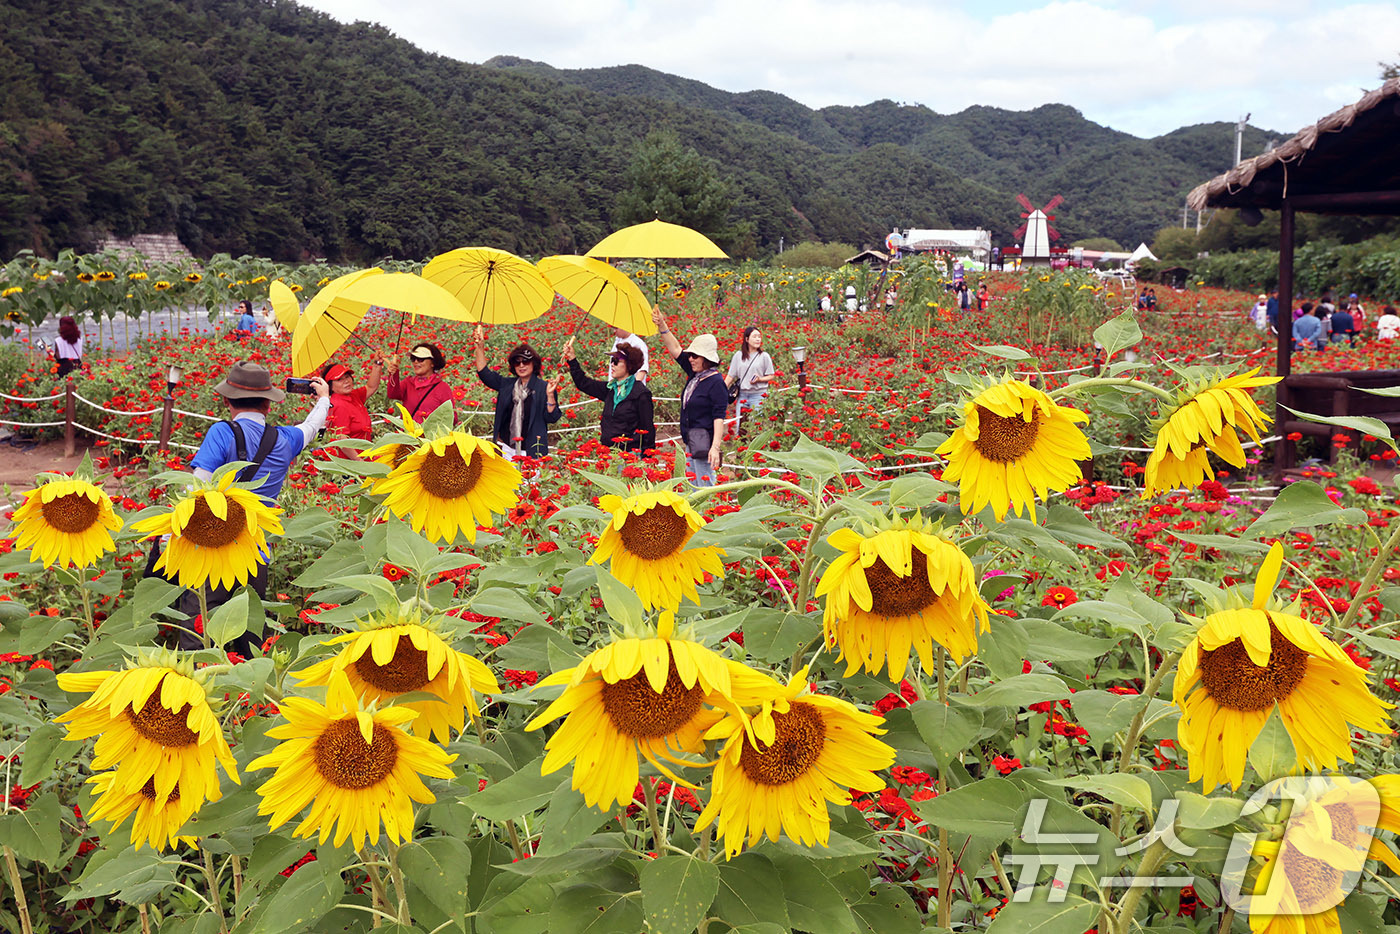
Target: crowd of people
[{"x": 1319, "y": 324}]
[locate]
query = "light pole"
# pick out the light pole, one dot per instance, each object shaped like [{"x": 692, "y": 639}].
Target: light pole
[{"x": 172, "y": 379}]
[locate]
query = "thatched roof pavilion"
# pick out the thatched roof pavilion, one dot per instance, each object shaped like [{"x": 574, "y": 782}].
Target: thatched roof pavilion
[{"x": 1346, "y": 163}]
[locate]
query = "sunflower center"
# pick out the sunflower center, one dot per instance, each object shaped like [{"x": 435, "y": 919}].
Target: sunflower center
[
  {"x": 448, "y": 475},
  {"x": 161, "y": 726},
  {"x": 406, "y": 671},
  {"x": 639, "y": 712},
  {"x": 893, "y": 595},
  {"x": 1313, "y": 881},
  {"x": 148, "y": 791},
  {"x": 1003, "y": 438},
  {"x": 1345, "y": 827},
  {"x": 1233, "y": 681},
  {"x": 656, "y": 533},
  {"x": 209, "y": 531},
  {"x": 345, "y": 760},
  {"x": 801, "y": 734},
  {"x": 401, "y": 452},
  {"x": 72, "y": 513}
]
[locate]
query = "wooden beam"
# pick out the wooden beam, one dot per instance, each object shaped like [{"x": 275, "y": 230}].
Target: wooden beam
[
  {"x": 1285, "y": 328},
  {"x": 1357, "y": 201}
]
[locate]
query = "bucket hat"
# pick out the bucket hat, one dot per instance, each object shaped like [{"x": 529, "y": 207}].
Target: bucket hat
[
  {"x": 705, "y": 345},
  {"x": 248, "y": 380}
]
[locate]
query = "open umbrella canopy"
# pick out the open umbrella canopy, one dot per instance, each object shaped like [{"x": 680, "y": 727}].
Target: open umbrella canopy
[
  {"x": 606, "y": 293},
  {"x": 329, "y": 319},
  {"x": 403, "y": 291},
  {"x": 494, "y": 286},
  {"x": 658, "y": 240},
  {"x": 285, "y": 306}
]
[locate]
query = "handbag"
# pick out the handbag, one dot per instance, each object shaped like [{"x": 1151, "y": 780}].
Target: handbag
[{"x": 734, "y": 390}]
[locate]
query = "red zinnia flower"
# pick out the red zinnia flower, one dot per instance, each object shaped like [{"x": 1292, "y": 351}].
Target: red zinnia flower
[{"x": 1059, "y": 597}]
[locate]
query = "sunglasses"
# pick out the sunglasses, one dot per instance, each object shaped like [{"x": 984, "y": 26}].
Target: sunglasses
[{"x": 617, "y": 358}]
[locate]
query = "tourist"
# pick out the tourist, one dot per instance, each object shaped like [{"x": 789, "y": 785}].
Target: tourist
[
  {"x": 1358, "y": 313},
  {"x": 270, "y": 451},
  {"x": 824, "y": 303},
  {"x": 349, "y": 415},
  {"x": 852, "y": 303},
  {"x": 621, "y": 337},
  {"x": 1271, "y": 311},
  {"x": 628, "y": 421},
  {"x": 1151, "y": 299},
  {"x": 1388, "y": 324},
  {"x": 1258, "y": 314},
  {"x": 424, "y": 391},
  {"x": 704, "y": 400},
  {"x": 964, "y": 296},
  {"x": 1307, "y": 330},
  {"x": 983, "y": 297},
  {"x": 1343, "y": 327},
  {"x": 751, "y": 370},
  {"x": 68, "y": 346},
  {"x": 525, "y": 402},
  {"x": 247, "y": 324}
]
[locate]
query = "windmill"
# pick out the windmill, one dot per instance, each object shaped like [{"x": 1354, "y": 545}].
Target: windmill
[{"x": 1036, "y": 231}]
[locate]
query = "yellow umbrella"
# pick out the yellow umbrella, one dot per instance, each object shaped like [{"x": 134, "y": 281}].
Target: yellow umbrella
[
  {"x": 658, "y": 240},
  {"x": 285, "y": 306},
  {"x": 606, "y": 293},
  {"x": 329, "y": 319},
  {"x": 496, "y": 287}
]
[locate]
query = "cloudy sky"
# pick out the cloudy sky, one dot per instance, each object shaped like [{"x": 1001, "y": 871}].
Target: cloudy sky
[{"x": 1138, "y": 66}]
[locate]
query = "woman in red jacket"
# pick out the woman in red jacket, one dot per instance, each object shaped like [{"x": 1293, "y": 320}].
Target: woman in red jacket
[{"x": 424, "y": 391}]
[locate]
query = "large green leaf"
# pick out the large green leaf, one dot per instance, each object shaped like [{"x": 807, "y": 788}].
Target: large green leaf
[
  {"x": 620, "y": 601},
  {"x": 1004, "y": 351},
  {"x": 990, "y": 808},
  {"x": 437, "y": 869},
  {"x": 887, "y": 909},
  {"x": 505, "y": 603},
  {"x": 567, "y": 822},
  {"x": 1272, "y": 755},
  {"x": 948, "y": 732},
  {"x": 1201, "y": 813},
  {"x": 1302, "y": 505},
  {"x": 772, "y": 635},
  {"x": 1117, "y": 334},
  {"x": 1074, "y": 915},
  {"x": 1020, "y": 691},
  {"x": 1120, "y": 788},
  {"x": 592, "y": 909},
  {"x": 677, "y": 891},
  {"x": 406, "y": 548},
  {"x": 34, "y": 833},
  {"x": 1360, "y": 423},
  {"x": 39, "y": 753},
  {"x": 522, "y": 793},
  {"x": 1056, "y": 642},
  {"x": 300, "y": 902},
  {"x": 240, "y": 614},
  {"x": 515, "y": 905},
  {"x": 751, "y": 891},
  {"x": 812, "y": 460},
  {"x": 133, "y": 876},
  {"x": 813, "y": 903}
]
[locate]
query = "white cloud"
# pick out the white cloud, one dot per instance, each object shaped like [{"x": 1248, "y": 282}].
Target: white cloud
[{"x": 1141, "y": 67}]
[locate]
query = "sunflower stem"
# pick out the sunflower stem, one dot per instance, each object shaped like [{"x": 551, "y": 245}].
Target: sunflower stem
[
  {"x": 1373, "y": 572},
  {"x": 1152, "y": 860},
  {"x": 237, "y": 865},
  {"x": 215, "y": 896},
  {"x": 376, "y": 887},
  {"x": 945, "y": 872},
  {"x": 1130, "y": 738},
  {"x": 653, "y": 819},
  {"x": 12, "y": 868},
  {"x": 804, "y": 579},
  {"x": 514, "y": 840},
  {"x": 1095, "y": 381},
  {"x": 145, "y": 914},
  {"x": 705, "y": 837},
  {"x": 733, "y": 485},
  {"x": 87, "y": 612},
  {"x": 203, "y": 616},
  {"x": 942, "y": 676},
  {"x": 400, "y": 887}
]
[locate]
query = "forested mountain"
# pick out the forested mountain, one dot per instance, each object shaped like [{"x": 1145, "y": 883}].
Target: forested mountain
[{"x": 260, "y": 126}]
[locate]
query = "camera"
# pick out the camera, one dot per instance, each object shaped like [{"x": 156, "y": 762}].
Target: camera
[{"x": 301, "y": 386}]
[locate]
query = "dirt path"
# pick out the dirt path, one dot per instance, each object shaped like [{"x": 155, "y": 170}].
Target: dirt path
[{"x": 21, "y": 463}]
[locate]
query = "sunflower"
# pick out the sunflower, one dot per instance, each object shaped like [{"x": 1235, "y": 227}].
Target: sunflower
[
  {"x": 106, "y": 276},
  {"x": 158, "y": 817},
  {"x": 1247, "y": 660},
  {"x": 389, "y": 657},
  {"x": 66, "y": 521},
  {"x": 645, "y": 544},
  {"x": 217, "y": 535},
  {"x": 153, "y": 721},
  {"x": 802, "y": 751},
  {"x": 393, "y": 453},
  {"x": 1014, "y": 444},
  {"x": 901, "y": 587},
  {"x": 450, "y": 485},
  {"x": 352, "y": 765},
  {"x": 1205, "y": 420},
  {"x": 648, "y": 695}
]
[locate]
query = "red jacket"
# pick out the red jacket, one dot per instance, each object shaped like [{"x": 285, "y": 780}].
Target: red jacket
[{"x": 419, "y": 394}]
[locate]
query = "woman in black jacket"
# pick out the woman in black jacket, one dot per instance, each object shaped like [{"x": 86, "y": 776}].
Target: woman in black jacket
[
  {"x": 628, "y": 421},
  {"x": 525, "y": 403}
]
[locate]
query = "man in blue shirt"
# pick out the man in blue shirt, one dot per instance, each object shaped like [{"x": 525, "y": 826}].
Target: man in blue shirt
[
  {"x": 249, "y": 394},
  {"x": 1307, "y": 329},
  {"x": 1343, "y": 327}
]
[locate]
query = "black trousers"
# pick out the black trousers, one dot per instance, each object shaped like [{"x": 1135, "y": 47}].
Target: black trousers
[{"x": 188, "y": 606}]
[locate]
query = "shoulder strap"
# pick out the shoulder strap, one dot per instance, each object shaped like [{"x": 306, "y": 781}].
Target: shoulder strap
[
  {"x": 423, "y": 398},
  {"x": 265, "y": 446}
]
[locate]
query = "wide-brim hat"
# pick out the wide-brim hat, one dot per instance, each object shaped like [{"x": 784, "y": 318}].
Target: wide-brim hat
[
  {"x": 705, "y": 345},
  {"x": 247, "y": 380}
]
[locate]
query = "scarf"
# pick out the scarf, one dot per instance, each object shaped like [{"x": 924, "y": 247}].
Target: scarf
[
  {"x": 517, "y": 414},
  {"x": 620, "y": 388}
]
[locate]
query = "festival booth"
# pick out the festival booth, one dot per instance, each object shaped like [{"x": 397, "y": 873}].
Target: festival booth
[
  {"x": 1343, "y": 164},
  {"x": 976, "y": 244}
]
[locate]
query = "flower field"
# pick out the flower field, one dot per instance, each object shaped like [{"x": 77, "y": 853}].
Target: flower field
[{"x": 904, "y": 669}]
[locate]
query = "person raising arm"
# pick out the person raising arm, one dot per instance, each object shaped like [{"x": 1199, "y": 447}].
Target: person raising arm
[{"x": 704, "y": 400}]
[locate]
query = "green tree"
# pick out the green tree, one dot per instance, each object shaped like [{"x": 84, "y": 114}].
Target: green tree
[
  {"x": 1390, "y": 70},
  {"x": 1106, "y": 244},
  {"x": 1175, "y": 244},
  {"x": 675, "y": 183}
]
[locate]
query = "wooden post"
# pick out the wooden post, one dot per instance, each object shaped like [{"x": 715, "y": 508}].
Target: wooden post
[
  {"x": 802, "y": 380},
  {"x": 70, "y": 444},
  {"x": 166, "y": 415},
  {"x": 1285, "y": 328}
]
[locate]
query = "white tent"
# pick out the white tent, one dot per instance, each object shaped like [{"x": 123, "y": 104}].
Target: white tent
[
  {"x": 1142, "y": 252},
  {"x": 976, "y": 243}
]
